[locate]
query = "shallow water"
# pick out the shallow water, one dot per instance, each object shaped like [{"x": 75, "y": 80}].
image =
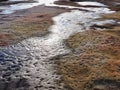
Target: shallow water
[
  {"x": 30, "y": 58},
  {"x": 12, "y": 8}
]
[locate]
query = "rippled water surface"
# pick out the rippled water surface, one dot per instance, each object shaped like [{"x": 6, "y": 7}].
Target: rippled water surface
[{"x": 30, "y": 58}]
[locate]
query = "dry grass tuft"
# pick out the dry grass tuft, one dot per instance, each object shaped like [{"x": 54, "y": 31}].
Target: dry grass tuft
[{"x": 95, "y": 62}]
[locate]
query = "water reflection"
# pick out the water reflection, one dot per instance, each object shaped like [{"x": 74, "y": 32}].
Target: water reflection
[
  {"x": 30, "y": 59},
  {"x": 12, "y": 8}
]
